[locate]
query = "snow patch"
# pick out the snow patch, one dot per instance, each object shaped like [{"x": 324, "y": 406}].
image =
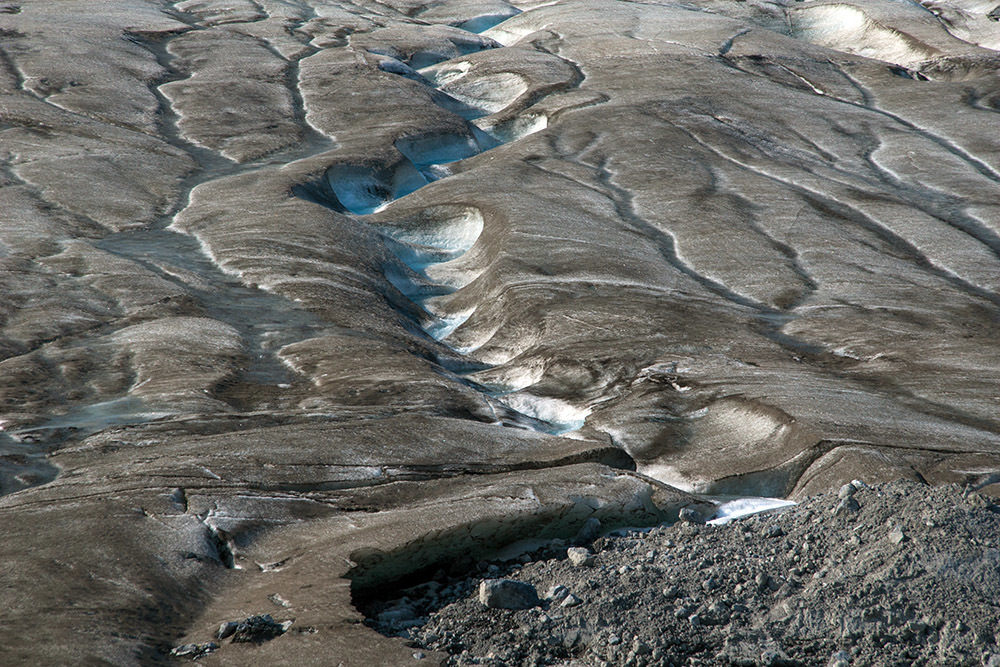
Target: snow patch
[{"x": 738, "y": 508}]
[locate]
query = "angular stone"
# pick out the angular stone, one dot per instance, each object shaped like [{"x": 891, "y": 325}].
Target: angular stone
[
  {"x": 507, "y": 594},
  {"x": 580, "y": 557}
]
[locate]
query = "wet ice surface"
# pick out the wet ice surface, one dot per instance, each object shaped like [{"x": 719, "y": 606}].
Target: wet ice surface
[{"x": 23, "y": 463}]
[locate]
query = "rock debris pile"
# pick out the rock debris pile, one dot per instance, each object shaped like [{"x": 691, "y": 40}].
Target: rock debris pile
[{"x": 909, "y": 576}]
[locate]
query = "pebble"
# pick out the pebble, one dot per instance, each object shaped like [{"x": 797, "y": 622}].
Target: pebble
[
  {"x": 840, "y": 659},
  {"x": 688, "y": 515},
  {"x": 258, "y": 629},
  {"x": 557, "y": 592},
  {"x": 846, "y": 491},
  {"x": 571, "y": 601},
  {"x": 226, "y": 629},
  {"x": 186, "y": 649},
  {"x": 896, "y": 535},
  {"x": 590, "y": 530},
  {"x": 507, "y": 594},
  {"x": 710, "y": 584},
  {"x": 775, "y": 531},
  {"x": 194, "y": 651},
  {"x": 847, "y": 506},
  {"x": 580, "y": 556}
]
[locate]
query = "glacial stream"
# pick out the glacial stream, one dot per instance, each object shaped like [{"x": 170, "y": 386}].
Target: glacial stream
[{"x": 362, "y": 190}]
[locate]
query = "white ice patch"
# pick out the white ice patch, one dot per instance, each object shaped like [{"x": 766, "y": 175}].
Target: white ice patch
[
  {"x": 457, "y": 234},
  {"x": 564, "y": 417},
  {"x": 518, "y": 128},
  {"x": 849, "y": 29},
  {"x": 445, "y": 74},
  {"x": 491, "y": 92},
  {"x": 741, "y": 507},
  {"x": 507, "y": 33}
]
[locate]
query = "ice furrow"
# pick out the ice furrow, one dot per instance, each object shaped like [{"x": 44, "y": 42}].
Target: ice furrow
[
  {"x": 847, "y": 212},
  {"x": 949, "y": 146}
]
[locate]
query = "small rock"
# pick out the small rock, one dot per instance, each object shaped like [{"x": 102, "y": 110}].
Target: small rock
[
  {"x": 682, "y": 612},
  {"x": 772, "y": 657},
  {"x": 507, "y": 594},
  {"x": 639, "y": 647},
  {"x": 186, "y": 649},
  {"x": 846, "y": 491},
  {"x": 695, "y": 621},
  {"x": 571, "y": 601},
  {"x": 590, "y": 530},
  {"x": 279, "y": 601},
  {"x": 580, "y": 557},
  {"x": 258, "y": 629},
  {"x": 840, "y": 659},
  {"x": 557, "y": 593},
  {"x": 775, "y": 531},
  {"x": 571, "y": 639},
  {"x": 896, "y": 535},
  {"x": 614, "y": 640},
  {"x": 194, "y": 651},
  {"x": 847, "y": 506},
  {"x": 226, "y": 629},
  {"x": 688, "y": 515},
  {"x": 710, "y": 584},
  {"x": 419, "y": 655}
]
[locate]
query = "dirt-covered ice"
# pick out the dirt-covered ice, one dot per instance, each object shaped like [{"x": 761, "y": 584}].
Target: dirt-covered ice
[{"x": 299, "y": 298}]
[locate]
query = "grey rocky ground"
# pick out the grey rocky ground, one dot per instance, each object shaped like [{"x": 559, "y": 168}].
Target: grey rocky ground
[
  {"x": 298, "y": 297},
  {"x": 905, "y": 575}
]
